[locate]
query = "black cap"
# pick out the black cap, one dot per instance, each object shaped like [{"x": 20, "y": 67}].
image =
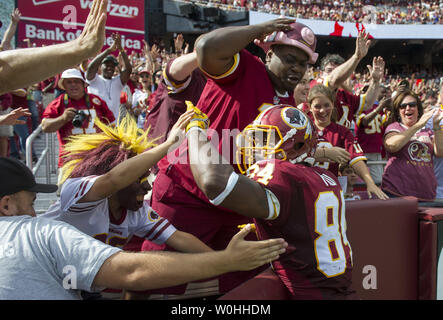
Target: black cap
[
  {"x": 110, "y": 58},
  {"x": 16, "y": 177}
]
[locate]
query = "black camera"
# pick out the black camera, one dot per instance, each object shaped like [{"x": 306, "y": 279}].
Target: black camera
[{"x": 79, "y": 118}]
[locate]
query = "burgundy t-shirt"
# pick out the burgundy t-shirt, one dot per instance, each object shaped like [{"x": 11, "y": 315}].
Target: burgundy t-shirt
[{"x": 410, "y": 171}]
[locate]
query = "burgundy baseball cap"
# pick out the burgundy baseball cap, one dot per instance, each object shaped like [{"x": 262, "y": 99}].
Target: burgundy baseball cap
[
  {"x": 301, "y": 36},
  {"x": 16, "y": 177}
]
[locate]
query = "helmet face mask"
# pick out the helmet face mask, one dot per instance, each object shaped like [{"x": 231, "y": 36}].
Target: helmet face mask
[{"x": 280, "y": 132}]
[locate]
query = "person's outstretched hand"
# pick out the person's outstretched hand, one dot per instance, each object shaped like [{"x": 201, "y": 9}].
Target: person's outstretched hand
[
  {"x": 12, "y": 117},
  {"x": 247, "y": 255},
  {"x": 93, "y": 34}
]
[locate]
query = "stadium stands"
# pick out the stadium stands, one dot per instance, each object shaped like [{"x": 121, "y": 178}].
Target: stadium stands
[{"x": 379, "y": 12}]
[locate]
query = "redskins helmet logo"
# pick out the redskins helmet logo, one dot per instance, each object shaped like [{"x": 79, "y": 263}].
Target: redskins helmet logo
[{"x": 294, "y": 118}]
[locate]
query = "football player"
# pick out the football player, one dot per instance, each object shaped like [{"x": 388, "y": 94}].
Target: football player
[
  {"x": 285, "y": 195},
  {"x": 238, "y": 88}
]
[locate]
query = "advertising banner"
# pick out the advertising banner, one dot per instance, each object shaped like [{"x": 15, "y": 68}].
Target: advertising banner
[
  {"x": 351, "y": 29},
  {"x": 46, "y": 22}
]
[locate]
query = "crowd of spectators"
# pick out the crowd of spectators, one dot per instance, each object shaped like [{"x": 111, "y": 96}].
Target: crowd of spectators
[{"x": 379, "y": 12}]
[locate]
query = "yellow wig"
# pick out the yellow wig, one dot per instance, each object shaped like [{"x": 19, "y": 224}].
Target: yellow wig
[{"x": 97, "y": 153}]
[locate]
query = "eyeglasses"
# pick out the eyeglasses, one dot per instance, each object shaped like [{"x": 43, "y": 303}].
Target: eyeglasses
[{"x": 412, "y": 104}]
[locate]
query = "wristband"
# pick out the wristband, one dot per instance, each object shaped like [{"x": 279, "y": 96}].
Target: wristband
[
  {"x": 195, "y": 128},
  {"x": 232, "y": 181},
  {"x": 199, "y": 119}
]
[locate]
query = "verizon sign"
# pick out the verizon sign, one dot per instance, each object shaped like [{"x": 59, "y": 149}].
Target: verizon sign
[{"x": 47, "y": 22}]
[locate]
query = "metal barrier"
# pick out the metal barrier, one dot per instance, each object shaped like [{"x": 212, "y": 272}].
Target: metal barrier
[{"x": 48, "y": 154}]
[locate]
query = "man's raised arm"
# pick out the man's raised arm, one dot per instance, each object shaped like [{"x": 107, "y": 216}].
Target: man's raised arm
[{"x": 216, "y": 49}]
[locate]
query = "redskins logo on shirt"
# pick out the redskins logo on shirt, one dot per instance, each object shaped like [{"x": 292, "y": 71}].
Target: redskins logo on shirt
[
  {"x": 96, "y": 101},
  {"x": 419, "y": 152},
  {"x": 152, "y": 215}
]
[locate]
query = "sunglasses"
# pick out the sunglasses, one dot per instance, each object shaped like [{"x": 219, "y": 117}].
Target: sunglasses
[{"x": 412, "y": 104}]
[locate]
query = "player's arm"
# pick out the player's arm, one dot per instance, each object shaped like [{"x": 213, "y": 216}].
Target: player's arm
[
  {"x": 182, "y": 67},
  {"x": 186, "y": 242},
  {"x": 220, "y": 183},
  {"x": 129, "y": 171},
  {"x": 24, "y": 67},
  {"x": 155, "y": 269},
  {"x": 333, "y": 153},
  {"x": 216, "y": 49}
]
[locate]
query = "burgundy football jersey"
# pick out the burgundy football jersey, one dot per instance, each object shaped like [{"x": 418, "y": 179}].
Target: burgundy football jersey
[
  {"x": 348, "y": 106},
  {"x": 370, "y": 137},
  {"x": 231, "y": 101},
  {"x": 169, "y": 102},
  {"x": 336, "y": 135},
  {"x": 318, "y": 261}
]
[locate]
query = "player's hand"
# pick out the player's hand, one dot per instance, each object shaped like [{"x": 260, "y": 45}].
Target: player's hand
[
  {"x": 247, "y": 255},
  {"x": 93, "y": 35},
  {"x": 372, "y": 189},
  {"x": 268, "y": 27},
  {"x": 12, "y": 117},
  {"x": 69, "y": 114},
  {"x": 337, "y": 154},
  {"x": 199, "y": 119}
]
